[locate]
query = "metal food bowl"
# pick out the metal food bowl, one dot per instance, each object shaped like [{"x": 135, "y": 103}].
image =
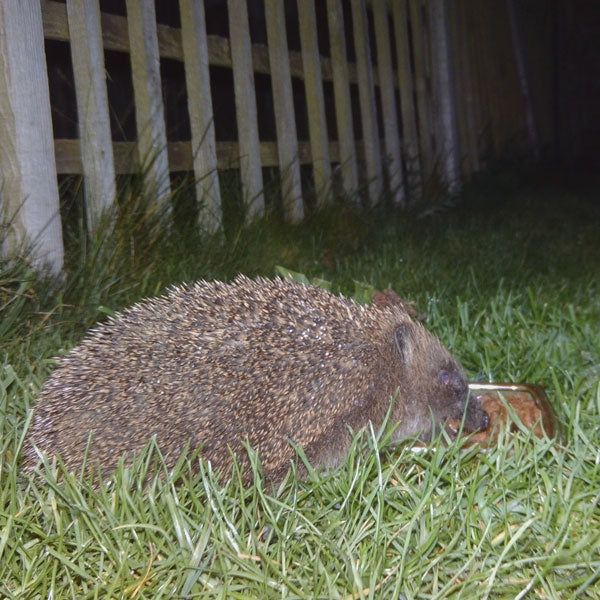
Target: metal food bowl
[
  {"x": 510, "y": 406},
  {"x": 514, "y": 406}
]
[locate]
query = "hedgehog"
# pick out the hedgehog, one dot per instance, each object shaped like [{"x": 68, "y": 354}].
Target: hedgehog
[{"x": 268, "y": 364}]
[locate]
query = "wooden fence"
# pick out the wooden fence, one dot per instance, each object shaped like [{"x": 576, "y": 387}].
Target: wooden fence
[{"x": 441, "y": 86}]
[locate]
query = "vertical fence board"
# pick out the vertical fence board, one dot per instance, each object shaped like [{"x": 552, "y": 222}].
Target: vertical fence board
[
  {"x": 200, "y": 109},
  {"x": 285, "y": 120},
  {"x": 149, "y": 110},
  {"x": 467, "y": 120},
  {"x": 245, "y": 106},
  {"x": 494, "y": 84},
  {"x": 315, "y": 102},
  {"x": 508, "y": 109},
  {"x": 481, "y": 56},
  {"x": 448, "y": 148},
  {"x": 95, "y": 142},
  {"x": 388, "y": 100},
  {"x": 421, "y": 88},
  {"x": 341, "y": 91},
  {"x": 410, "y": 136},
  {"x": 524, "y": 83},
  {"x": 511, "y": 106},
  {"x": 29, "y": 206},
  {"x": 366, "y": 93},
  {"x": 473, "y": 57}
]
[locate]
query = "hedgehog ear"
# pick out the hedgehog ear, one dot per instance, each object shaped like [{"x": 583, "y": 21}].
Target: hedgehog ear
[{"x": 403, "y": 337}]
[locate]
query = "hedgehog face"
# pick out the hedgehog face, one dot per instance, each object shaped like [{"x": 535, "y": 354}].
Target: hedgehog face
[
  {"x": 451, "y": 404},
  {"x": 433, "y": 387}
]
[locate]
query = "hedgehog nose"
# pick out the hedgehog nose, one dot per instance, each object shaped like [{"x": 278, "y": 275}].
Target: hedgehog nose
[
  {"x": 477, "y": 419},
  {"x": 485, "y": 421}
]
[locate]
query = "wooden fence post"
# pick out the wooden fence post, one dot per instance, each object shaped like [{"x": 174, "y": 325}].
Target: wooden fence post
[
  {"x": 197, "y": 76},
  {"x": 28, "y": 188},
  {"x": 285, "y": 120},
  {"x": 315, "y": 101},
  {"x": 391, "y": 129},
  {"x": 149, "y": 109},
  {"x": 517, "y": 44},
  {"x": 420, "y": 51},
  {"x": 366, "y": 94},
  {"x": 444, "y": 94},
  {"x": 95, "y": 142},
  {"x": 477, "y": 123},
  {"x": 245, "y": 107},
  {"x": 467, "y": 109},
  {"x": 410, "y": 137},
  {"x": 341, "y": 90}
]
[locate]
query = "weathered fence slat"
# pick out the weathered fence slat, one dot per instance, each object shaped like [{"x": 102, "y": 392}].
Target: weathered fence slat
[
  {"x": 149, "y": 110},
  {"x": 410, "y": 138},
  {"x": 366, "y": 94},
  {"x": 421, "y": 76},
  {"x": 28, "y": 191},
  {"x": 315, "y": 101},
  {"x": 285, "y": 120},
  {"x": 245, "y": 107},
  {"x": 341, "y": 91},
  {"x": 466, "y": 107},
  {"x": 497, "y": 20},
  {"x": 200, "y": 109},
  {"x": 448, "y": 148},
  {"x": 517, "y": 43},
  {"x": 391, "y": 129},
  {"x": 87, "y": 53},
  {"x": 479, "y": 58}
]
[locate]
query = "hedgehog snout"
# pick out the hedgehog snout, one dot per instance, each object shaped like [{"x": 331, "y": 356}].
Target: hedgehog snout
[{"x": 476, "y": 419}]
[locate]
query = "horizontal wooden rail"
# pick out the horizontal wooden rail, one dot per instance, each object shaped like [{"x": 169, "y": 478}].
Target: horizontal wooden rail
[
  {"x": 115, "y": 37},
  {"x": 68, "y": 155}
]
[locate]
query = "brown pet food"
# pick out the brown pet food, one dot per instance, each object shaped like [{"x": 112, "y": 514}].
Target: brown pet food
[{"x": 528, "y": 402}]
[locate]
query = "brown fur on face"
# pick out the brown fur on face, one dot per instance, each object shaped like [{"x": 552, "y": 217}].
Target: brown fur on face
[
  {"x": 435, "y": 389},
  {"x": 216, "y": 365}
]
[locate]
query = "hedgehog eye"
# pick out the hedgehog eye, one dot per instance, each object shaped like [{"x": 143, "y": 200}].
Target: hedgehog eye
[{"x": 445, "y": 377}]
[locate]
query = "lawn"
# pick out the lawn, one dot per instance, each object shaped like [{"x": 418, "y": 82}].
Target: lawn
[{"x": 508, "y": 278}]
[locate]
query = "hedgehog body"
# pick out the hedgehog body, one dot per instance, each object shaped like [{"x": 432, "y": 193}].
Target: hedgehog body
[{"x": 217, "y": 365}]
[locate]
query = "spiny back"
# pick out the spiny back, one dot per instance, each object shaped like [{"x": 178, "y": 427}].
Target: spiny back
[{"x": 215, "y": 365}]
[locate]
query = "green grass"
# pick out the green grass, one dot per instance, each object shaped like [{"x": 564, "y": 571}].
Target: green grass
[{"x": 509, "y": 281}]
